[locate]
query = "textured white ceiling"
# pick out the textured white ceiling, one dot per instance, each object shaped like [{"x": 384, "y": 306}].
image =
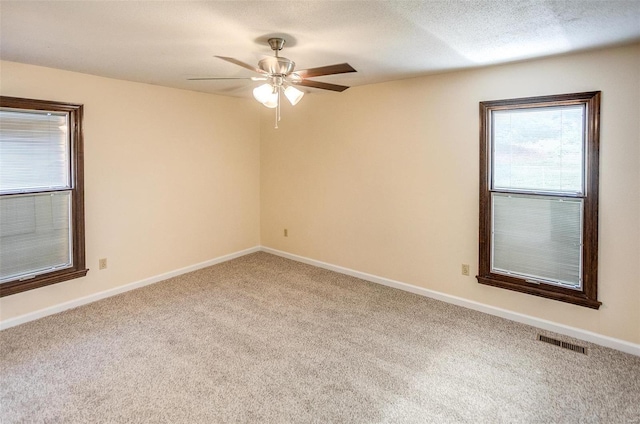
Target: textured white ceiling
[{"x": 166, "y": 42}]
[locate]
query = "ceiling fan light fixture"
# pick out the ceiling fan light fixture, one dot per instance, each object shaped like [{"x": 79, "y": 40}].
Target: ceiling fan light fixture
[
  {"x": 293, "y": 95},
  {"x": 272, "y": 101},
  {"x": 263, "y": 93},
  {"x": 278, "y": 72}
]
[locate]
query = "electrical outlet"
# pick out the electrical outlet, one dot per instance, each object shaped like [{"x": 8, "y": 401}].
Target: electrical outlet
[
  {"x": 465, "y": 269},
  {"x": 286, "y": 232},
  {"x": 102, "y": 263}
]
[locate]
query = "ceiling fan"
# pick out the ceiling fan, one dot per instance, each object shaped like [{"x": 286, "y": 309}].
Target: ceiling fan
[{"x": 281, "y": 77}]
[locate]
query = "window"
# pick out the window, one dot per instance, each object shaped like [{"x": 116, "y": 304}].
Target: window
[
  {"x": 41, "y": 194},
  {"x": 539, "y": 196}
]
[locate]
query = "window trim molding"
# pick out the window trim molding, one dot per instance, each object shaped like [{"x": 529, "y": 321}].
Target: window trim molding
[
  {"x": 77, "y": 189},
  {"x": 588, "y": 296}
]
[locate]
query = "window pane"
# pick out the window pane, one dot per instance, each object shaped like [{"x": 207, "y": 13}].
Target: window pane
[
  {"x": 35, "y": 234},
  {"x": 34, "y": 150},
  {"x": 538, "y": 149},
  {"x": 538, "y": 237}
]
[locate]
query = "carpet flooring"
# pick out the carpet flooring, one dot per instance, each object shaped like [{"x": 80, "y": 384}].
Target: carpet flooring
[{"x": 265, "y": 339}]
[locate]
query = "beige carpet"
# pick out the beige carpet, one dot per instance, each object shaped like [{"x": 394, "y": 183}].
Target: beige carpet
[{"x": 265, "y": 339}]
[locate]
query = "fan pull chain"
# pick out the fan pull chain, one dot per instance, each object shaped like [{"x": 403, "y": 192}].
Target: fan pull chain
[{"x": 278, "y": 108}]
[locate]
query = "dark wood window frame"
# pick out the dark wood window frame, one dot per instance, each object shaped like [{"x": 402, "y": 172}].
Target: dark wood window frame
[
  {"x": 75, "y": 113},
  {"x": 588, "y": 295}
]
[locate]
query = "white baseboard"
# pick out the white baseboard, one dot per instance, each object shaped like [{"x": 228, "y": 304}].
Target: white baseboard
[
  {"x": 577, "y": 333},
  {"x": 31, "y": 316}
]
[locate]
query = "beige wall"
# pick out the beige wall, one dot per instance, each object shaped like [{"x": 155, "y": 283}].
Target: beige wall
[
  {"x": 171, "y": 178},
  {"x": 383, "y": 179}
]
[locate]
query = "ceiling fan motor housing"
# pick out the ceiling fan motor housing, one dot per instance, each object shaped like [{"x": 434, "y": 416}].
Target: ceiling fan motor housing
[{"x": 277, "y": 65}]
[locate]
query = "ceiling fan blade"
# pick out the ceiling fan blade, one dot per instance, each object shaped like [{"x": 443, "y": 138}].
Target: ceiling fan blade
[
  {"x": 244, "y": 65},
  {"x": 228, "y": 78},
  {"x": 322, "y": 85},
  {"x": 341, "y": 68}
]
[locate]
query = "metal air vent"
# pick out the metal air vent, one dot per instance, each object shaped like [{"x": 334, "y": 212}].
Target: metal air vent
[{"x": 564, "y": 345}]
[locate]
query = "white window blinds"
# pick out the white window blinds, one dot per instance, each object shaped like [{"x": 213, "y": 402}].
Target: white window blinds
[
  {"x": 539, "y": 238},
  {"x": 35, "y": 234},
  {"x": 34, "y": 151},
  {"x": 537, "y": 187},
  {"x": 35, "y": 193}
]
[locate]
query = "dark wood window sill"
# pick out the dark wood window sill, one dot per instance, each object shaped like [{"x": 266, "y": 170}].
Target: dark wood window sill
[
  {"x": 543, "y": 290},
  {"x": 14, "y": 287}
]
